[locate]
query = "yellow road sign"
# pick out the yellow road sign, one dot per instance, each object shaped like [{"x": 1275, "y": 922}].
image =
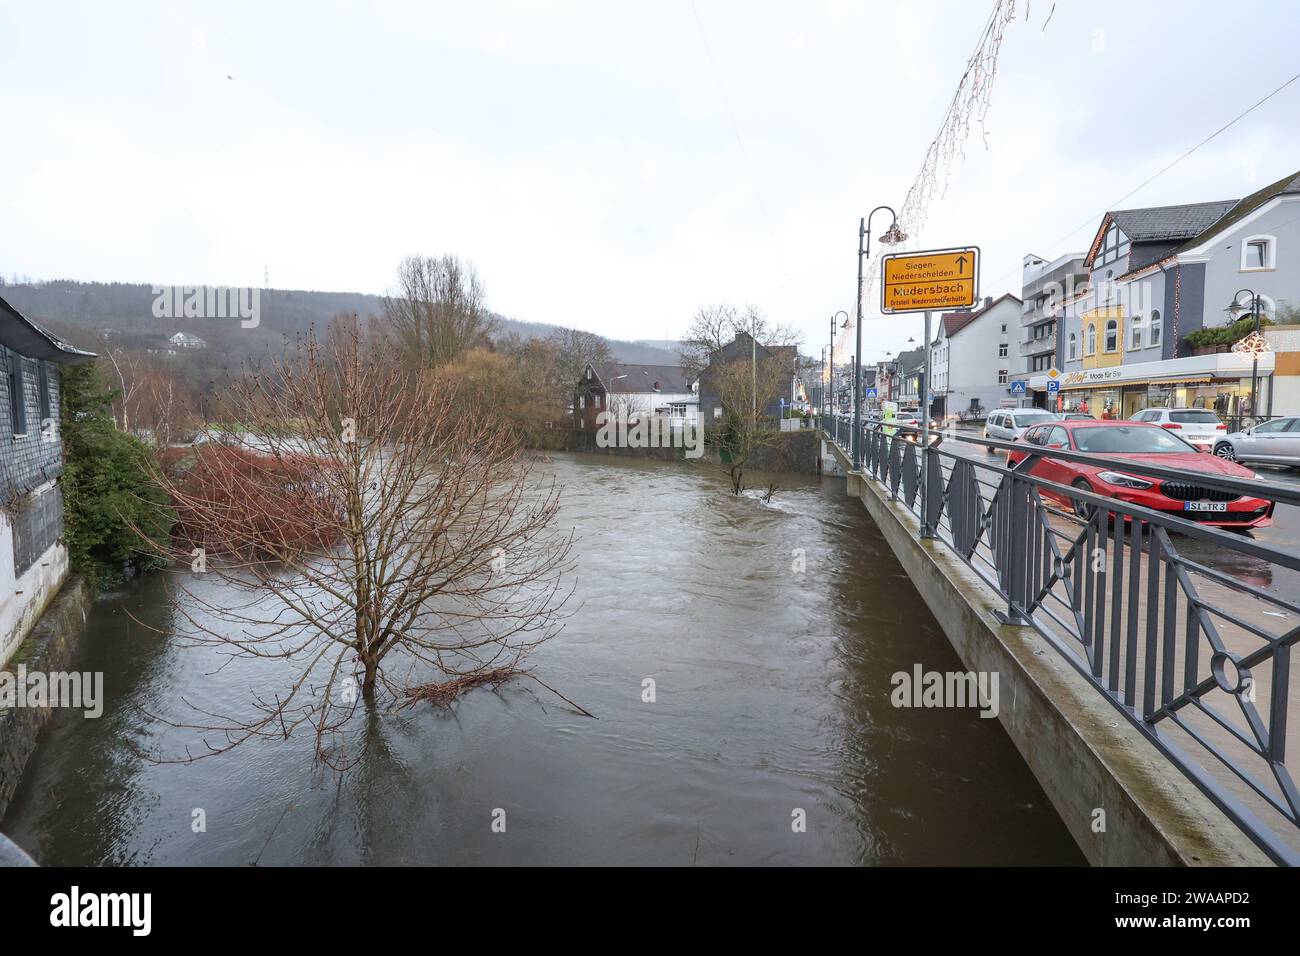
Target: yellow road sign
[{"x": 922, "y": 281}]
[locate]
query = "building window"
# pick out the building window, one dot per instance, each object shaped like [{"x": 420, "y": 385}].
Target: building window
[
  {"x": 1072, "y": 347},
  {"x": 1135, "y": 333},
  {"x": 595, "y": 400},
  {"x": 1004, "y": 328},
  {"x": 17, "y": 399},
  {"x": 1092, "y": 340},
  {"x": 1258, "y": 252},
  {"x": 1002, "y": 376},
  {"x": 1002, "y": 350},
  {"x": 43, "y": 380},
  {"x": 1154, "y": 338},
  {"x": 1112, "y": 336}
]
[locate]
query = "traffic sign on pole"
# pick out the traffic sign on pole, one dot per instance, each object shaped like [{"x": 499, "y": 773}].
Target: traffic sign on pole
[
  {"x": 925, "y": 281},
  {"x": 1018, "y": 387}
]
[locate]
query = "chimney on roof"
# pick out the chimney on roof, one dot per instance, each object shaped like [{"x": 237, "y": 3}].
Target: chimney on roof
[{"x": 988, "y": 301}]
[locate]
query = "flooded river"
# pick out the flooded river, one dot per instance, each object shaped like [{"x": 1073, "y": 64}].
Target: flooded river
[{"x": 772, "y": 695}]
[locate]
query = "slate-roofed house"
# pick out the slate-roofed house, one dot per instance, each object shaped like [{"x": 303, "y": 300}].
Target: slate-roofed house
[
  {"x": 629, "y": 391},
  {"x": 743, "y": 347},
  {"x": 33, "y": 560}
]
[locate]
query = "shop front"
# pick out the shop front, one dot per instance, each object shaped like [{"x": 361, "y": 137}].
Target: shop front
[{"x": 1221, "y": 383}]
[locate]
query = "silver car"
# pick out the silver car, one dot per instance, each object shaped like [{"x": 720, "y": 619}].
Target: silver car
[
  {"x": 1200, "y": 426},
  {"x": 1274, "y": 442},
  {"x": 1008, "y": 424}
]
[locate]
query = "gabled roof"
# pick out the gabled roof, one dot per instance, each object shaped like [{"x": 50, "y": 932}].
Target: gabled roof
[
  {"x": 909, "y": 360},
  {"x": 22, "y": 335},
  {"x": 1166, "y": 223},
  {"x": 1288, "y": 185},
  {"x": 954, "y": 322},
  {"x": 1165, "y": 229},
  {"x": 619, "y": 377}
]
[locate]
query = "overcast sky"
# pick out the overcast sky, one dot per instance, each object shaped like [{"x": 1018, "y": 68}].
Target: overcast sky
[{"x": 581, "y": 155}]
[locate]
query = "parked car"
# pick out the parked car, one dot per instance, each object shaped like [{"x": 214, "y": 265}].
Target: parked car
[
  {"x": 1008, "y": 424},
  {"x": 1143, "y": 442},
  {"x": 1077, "y": 417},
  {"x": 1274, "y": 442},
  {"x": 1200, "y": 426}
]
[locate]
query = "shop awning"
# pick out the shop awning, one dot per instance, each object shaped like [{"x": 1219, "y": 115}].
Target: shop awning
[{"x": 1177, "y": 380}]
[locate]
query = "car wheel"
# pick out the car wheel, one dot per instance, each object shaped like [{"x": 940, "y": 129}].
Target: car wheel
[
  {"x": 1225, "y": 451},
  {"x": 1083, "y": 509}
]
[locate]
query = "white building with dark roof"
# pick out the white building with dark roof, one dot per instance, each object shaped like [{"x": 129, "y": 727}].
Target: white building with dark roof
[{"x": 630, "y": 391}]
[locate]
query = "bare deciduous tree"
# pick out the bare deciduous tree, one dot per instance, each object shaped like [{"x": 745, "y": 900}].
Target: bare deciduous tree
[
  {"x": 574, "y": 351},
  {"x": 385, "y": 531},
  {"x": 437, "y": 311},
  {"x": 717, "y": 325},
  {"x": 745, "y": 387}
]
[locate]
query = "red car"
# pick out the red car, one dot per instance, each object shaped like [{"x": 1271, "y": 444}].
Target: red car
[{"x": 1139, "y": 442}]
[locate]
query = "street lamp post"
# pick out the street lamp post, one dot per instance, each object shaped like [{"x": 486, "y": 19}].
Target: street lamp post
[
  {"x": 831, "y": 364},
  {"x": 891, "y": 236},
  {"x": 1235, "y": 308}
]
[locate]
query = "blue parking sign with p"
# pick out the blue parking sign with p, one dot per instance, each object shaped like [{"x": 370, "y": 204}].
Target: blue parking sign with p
[{"x": 1053, "y": 385}]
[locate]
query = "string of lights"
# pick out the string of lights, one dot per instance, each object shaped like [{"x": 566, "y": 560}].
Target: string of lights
[{"x": 969, "y": 107}]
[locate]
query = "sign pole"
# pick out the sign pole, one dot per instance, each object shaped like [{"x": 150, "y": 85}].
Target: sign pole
[
  {"x": 857, "y": 361},
  {"x": 925, "y": 433}
]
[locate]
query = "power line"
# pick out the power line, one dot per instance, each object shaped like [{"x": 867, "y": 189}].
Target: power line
[
  {"x": 753, "y": 181},
  {"x": 1092, "y": 219}
]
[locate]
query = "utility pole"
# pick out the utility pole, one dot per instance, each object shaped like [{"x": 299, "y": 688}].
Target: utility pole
[
  {"x": 857, "y": 361},
  {"x": 891, "y": 236},
  {"x": 926, "y": 530}
]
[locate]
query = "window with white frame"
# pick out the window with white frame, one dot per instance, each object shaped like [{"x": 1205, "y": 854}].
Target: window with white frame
[
  {"x": 1112, "y": 336},
  {"x": 1072, "y": 349},
  {"x": 1258, "y": 253},
  {"x": 1092, "y": 340},
  {"x": 1154, "y": 338},
  {"x": 1002, "y": 376},
  {"x": 1002, "y": 350},
  {"x": 1135, "y": 333}
]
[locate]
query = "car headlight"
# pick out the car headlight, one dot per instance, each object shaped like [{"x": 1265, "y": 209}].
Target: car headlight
[{"x": 1124, "y": 481}]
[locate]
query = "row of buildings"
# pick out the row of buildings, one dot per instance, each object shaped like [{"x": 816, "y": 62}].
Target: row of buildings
[{"x": 1128, "y": 323}]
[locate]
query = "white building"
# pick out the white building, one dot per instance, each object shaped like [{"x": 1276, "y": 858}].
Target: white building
[
  {"x": 631, "y": 391},
  {"x": 184, "y": 340},
  {"x": 971, "y": 358}
]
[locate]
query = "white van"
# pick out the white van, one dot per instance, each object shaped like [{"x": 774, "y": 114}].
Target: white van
[{"x": 1008, "y": 424}]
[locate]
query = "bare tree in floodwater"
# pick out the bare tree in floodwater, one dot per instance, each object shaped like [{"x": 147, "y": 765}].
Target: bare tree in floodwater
[
  {"x": 437, "y": 311},
  {"x": 392, "y": 542}
]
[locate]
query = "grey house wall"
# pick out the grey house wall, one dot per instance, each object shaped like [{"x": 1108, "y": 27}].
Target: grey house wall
[
  {"x": 1189, "y": 291},
  {"x": 30, "y": 461},
  {"x": 1223, "y": 275}
]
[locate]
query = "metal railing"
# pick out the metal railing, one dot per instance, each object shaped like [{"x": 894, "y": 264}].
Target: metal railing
[{"x": 1185, "y": 628}]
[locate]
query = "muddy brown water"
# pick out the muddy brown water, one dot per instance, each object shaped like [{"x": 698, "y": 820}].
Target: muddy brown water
[{"x": 772, "y": 695}]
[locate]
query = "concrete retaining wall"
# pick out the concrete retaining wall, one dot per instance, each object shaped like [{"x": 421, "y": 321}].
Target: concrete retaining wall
[
  {"x": 1085, "y": 755},
  {"x": 49, "y": 647}
]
